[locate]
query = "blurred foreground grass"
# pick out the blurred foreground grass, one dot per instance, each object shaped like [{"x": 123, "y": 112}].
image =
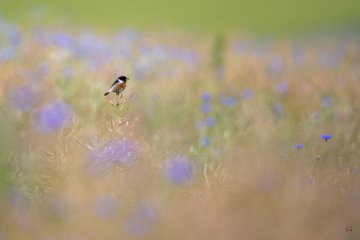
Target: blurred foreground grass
[{"x": 216, "y": 138}]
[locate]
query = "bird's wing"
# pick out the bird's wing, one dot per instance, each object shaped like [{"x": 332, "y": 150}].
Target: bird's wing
[{"x": 116, "y": 81}]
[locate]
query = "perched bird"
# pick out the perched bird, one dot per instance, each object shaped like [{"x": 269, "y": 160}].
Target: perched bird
[{"x": 118, "y": 86}]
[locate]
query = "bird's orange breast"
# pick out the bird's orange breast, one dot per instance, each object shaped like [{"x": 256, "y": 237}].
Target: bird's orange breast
[{"x": 121, "y": 86}]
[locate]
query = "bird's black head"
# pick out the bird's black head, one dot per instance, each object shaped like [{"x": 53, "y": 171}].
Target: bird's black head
[{"x": 123, "y": 78}]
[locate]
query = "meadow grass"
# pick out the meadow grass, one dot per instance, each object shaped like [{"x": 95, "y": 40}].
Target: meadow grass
[{"x": 215, "y": 137}]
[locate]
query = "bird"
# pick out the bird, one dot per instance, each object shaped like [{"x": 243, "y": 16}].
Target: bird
[{"x": 118, "y": 86}]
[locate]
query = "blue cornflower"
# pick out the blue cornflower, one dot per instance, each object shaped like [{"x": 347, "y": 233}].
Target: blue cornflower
[
  {"x": 205, "y": 142},
  {"x": 326, "y": 137},
  {"x": 247, "y": 93},
  {"x": 326, "y": 101},
  {"x": 206, "y": 107},
  {"x": 207, "y": 97},
  {"x": 179, "y": 170},
  {"x": 55, "y": 116},
  {"x": 64, "y": 40},
  {"x": 229, "y": 101},
  {"x": 14, "y": 35},
  {"x": 282, "y": 87},
  {"x": 299, "y": 146},
  {"x": 7, "y": 54},
  {"x": 211, "y": 121},
  {"x": 117, "y": 152}
]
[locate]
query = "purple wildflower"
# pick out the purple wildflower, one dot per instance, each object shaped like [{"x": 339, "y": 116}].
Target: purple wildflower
[
  {"x": 299, "y": 146},
  {"x": 211, "y": 121},
  {"x": 326, "y": 101},
  {"x": 247, "y": 93},
  {"x": 326, "y": 137},
  {"x": 206, "y": 97},
  {"x": 229, "y": 101},
  {"x": 14, "y": 35},
  {"x": 206, "y": 107},
  {"x": 54, "y": 117},
  {"x": 7, "y": 54},
  {"x": 179, "y": 170},
  {"x": 282, "y": 87},
  {"x": 23, "y": 98},
  {"x": 117, "y": 152},
  {"x": 205, "y": 142},
  {"x": 64, "y": 40}
]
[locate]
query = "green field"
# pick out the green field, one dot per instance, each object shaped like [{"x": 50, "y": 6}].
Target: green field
[{"x": 256, "y": 17}]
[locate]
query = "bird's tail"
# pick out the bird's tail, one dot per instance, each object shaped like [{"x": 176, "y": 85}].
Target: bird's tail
[{"x": 106, "y": 93}]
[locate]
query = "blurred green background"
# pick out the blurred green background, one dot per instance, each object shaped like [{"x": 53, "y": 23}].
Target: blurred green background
[{"x": 252, "y": 16}]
